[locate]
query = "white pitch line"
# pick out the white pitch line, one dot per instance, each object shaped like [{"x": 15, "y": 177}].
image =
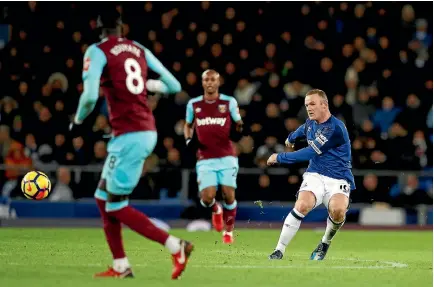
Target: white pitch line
[
  {"x": 386, "y": 264},
  {"x": 390, "y": 265},
  {"x": 301, "y": 255}
]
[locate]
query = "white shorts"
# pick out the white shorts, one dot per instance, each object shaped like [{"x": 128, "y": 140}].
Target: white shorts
[{"x": 324, "y": 187}]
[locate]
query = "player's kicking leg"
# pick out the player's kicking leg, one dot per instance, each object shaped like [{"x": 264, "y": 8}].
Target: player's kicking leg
[
  {"x": 306, "y": 201},
  {"x": 118, "y": 211},
  {"x": 337, "y": 208},
  {"x": 122, "y": 172},
  {"x": 117, "y": 207}
]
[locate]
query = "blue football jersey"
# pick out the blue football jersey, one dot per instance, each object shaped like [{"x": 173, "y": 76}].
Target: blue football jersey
[{"x": 328, "y": 151}]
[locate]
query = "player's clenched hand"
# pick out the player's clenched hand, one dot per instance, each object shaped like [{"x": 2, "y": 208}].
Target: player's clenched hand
[
  {"x": 288, "y": 144},
  {"x": 272, "y": 159}
]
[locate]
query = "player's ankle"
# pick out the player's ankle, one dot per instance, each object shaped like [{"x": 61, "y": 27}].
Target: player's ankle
[
  {"x": 217, "y": 208},
  {"x": 173, "y": 244},
  {"x": 121, "y": 264},
  {"x": 326, "y": 241},
  {"x": 281, "y": 247}
]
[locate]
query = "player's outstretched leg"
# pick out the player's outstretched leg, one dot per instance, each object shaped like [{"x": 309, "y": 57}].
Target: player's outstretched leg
[
  {"x": 229, "y": 213},
  {"x": 112, "y": 228},
  {"x": 180, "y": 249},
  {"x": 337, "y": 208},
  {"x": 305, "y": 203},
  {"x": 207, "y": 200}
]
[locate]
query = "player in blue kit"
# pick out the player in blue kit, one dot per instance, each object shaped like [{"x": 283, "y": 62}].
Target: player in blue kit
[{"x": 327, "y": 180}]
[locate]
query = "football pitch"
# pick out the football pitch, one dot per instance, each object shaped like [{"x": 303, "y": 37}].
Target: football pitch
[{"x": 68, "y": 257}]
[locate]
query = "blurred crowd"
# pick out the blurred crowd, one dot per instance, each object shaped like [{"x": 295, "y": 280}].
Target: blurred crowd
[{"x": 373, "y": 59}]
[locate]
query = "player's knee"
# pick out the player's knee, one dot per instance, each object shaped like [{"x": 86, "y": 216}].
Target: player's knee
[
  {"x": 337, "y": 213},
  {"x": 303, "y": 206},
  {"x": 109, "y": 220},
  {"x": 306, "y": 201},
  {"x": 207, "y": 195},
  {"x": 228, "y": 194}
]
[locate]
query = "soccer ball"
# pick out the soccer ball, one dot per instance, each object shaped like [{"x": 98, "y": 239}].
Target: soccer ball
[{"x": 36, "y": 185}]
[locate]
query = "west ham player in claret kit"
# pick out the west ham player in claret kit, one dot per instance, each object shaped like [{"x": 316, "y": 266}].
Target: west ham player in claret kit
[
  {"x": 211, "y": 116},
  {"x": 328, "y": 179},
  {"x": 120, "y": 67}
]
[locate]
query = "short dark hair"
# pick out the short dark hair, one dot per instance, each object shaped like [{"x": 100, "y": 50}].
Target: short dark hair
[
  {"x": 109, "y": 18},
  {"x": 320, "y": 93}
]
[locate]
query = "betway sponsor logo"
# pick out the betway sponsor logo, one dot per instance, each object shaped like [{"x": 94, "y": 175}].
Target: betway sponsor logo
[{"x": 211, "y": 121}]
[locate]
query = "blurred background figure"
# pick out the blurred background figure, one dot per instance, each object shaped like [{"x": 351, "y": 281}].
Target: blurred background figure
[{"x": 62, "y": 189}]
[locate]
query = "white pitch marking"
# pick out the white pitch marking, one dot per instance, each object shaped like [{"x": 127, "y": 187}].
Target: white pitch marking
[
  {"x": 385, "y": 265},
  {"x": 390, "y": 265}
]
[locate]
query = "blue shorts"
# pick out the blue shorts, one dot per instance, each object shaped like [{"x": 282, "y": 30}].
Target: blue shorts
[
  {"x": 124, "y": 164},
  {"x": 217, "y": 171}
]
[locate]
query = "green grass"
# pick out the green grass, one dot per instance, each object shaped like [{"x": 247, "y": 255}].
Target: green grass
[{"x": 69, "y": 257}]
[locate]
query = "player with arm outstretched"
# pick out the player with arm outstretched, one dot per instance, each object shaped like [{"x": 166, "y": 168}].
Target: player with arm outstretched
[
  {"x": 211, "y": 116},
  {"x": 120, "y": 67},
  {"x": 328, "y": 179}
]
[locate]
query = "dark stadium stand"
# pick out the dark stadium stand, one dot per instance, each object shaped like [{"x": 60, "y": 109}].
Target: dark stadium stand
[{"x": 373, "y": 59}]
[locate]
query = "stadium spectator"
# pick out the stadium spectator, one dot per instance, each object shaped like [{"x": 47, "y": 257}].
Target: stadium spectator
[
  {"x": 62, "y": 190},
  {"x": 265, "y": 151},
  {"x": 17, "y": 163},
  {"x": 244, "y": 92},
  {"x": 371, "y": 191},
  {"x": 384, "y": 118},
  {"x": 413, "y": 111},
  {"x": 362, "y": 109},
  {"x": 60, "y": 149},
  {"x": 411, "y": 193},
  {"x": 5, "y": 141}
]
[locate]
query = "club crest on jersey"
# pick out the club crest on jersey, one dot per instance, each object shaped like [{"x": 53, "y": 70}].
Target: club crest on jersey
[
  {"x": 320, "y": 138},
  {"x": 222, "y": 108},
  {"x": 86, "y": 64},
  {"x": 197, "y": 110}
]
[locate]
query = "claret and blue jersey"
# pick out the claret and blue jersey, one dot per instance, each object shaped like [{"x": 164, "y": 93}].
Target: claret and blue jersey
[
  {"x": 120, "y": 67},
  {"x": 328, "y": 150},
  {"x": 213, "y": 124},
  {"x": 217, "y": 162}
]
